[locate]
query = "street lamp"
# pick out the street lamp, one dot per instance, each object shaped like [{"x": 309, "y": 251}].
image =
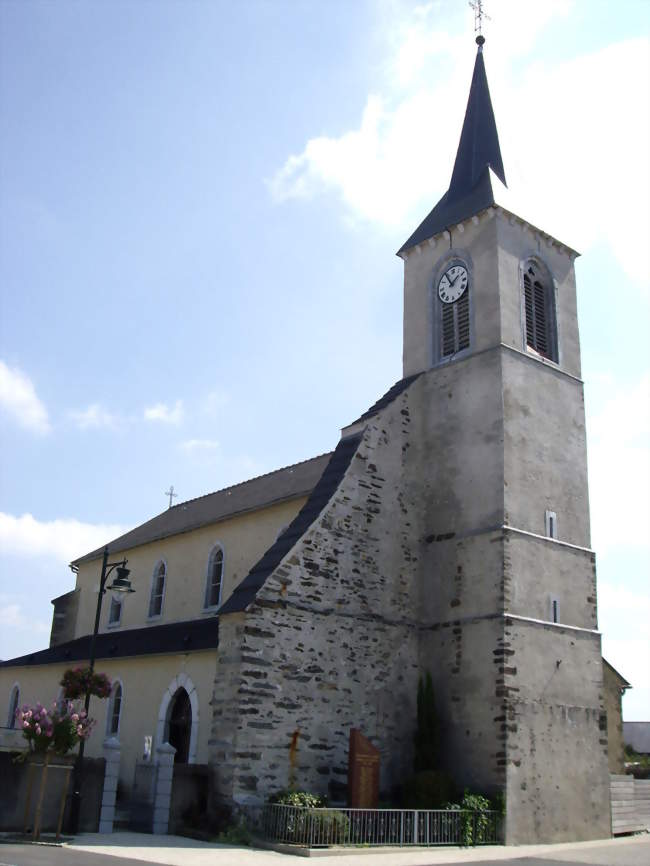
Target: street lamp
[{"x": 121, "y": 583}]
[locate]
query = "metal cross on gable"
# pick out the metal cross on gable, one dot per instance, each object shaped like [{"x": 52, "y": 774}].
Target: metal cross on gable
[
  {"x": 171, "y": 494},
  {"x": 479, "y": 15}
]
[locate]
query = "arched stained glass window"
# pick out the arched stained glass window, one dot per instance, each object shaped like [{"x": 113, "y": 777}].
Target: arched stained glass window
[
  {"x": 114, "y": 710},
  {"x": 115, "y": 611},
  {"x": 14, "y": 701},
  {"x": 157, "y": 589},
  {"x": 215, "y": 578}
]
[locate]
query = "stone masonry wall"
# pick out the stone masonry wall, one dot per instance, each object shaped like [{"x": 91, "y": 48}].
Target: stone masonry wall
[
  {"x": 466, "y": 658},
  {"x": 331, "y": 641},
  {"x": 411, "y": 567},
  {"x": 558, "y": 780}
]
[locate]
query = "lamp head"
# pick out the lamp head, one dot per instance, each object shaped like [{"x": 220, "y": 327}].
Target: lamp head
[{"x": 121, "y": 582}]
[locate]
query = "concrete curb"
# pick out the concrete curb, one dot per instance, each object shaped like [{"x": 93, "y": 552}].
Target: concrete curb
[{"x": 181, "y": 851}]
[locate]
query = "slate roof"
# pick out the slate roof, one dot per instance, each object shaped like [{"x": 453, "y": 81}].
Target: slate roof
[
  {"x": 244, "y": 594},
  {"x": 174, "y": 637},
  {"x": 290, "y": 482},
  {"x": 318, "y": 478},
  {"x": 623, "y": 683},
  {"x": 388, "y": 397},
  {"x": 470, "y": 190}
]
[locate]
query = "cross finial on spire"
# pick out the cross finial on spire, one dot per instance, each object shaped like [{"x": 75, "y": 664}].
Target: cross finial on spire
[
  {"x": 479, "y": 15},
  {"x": 171, "y": 494}
]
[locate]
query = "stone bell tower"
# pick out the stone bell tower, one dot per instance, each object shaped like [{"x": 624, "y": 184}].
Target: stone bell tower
[
  {"x": 448, "y": 533},
  {"x": 507, "y": 576}
]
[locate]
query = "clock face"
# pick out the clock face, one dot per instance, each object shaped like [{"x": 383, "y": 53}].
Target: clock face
[{"x": 453, "y": 283}]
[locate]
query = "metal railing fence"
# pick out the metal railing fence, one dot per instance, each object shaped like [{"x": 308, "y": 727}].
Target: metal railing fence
[{"x": 369, "y": 827}]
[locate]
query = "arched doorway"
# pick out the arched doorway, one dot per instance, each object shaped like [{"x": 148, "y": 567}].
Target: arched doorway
[
  {"x": 179, "y": 725},
  {"x": 180, "y": 682}
]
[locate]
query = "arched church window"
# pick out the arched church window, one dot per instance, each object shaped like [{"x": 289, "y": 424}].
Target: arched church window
[
  {"x": 14, "y": 700},
  {"x": 157, "y": 589},
  {"x": 114, "y": 710},
  {"x": 115, "y": 612},
  {"x": 539, "y": 309},
  {"x": 215, "y": 578}
]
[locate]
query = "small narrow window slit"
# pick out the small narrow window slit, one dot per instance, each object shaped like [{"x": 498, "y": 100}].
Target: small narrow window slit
[
  {"x": 554, "y": 609},
  {"x": 550, "y": 520}
]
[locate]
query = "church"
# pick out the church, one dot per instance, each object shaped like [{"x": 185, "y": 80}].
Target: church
[{"x": 447, "y": 532}]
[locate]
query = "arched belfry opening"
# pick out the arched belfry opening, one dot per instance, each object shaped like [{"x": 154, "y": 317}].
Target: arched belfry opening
[{"x": 179, "y": 725}]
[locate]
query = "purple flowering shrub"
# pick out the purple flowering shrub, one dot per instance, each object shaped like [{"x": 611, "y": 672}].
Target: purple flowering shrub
[
  {"x": 77, "y": 682},
  {"x": 58, "y": 729}
]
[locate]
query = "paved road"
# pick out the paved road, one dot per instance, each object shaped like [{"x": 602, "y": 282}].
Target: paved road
[
  {"x": 51, "y": 855},
  {"x": 635, "y": 853},
  {"x": 137, "y": 850}
]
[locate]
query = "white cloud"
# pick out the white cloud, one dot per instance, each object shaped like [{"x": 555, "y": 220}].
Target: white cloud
[
  {"x": 578, "y": 156},
  {"x": 24, "y": 623},
  {"x": 93, "y": 417},
  {"x": 630, "y": 657},
  {"x": 165, "y": 414},
  {"x": 18, "y": 399},
  {"x": 13, "y": 616},
  {"x": 619, "y": 468},
  {"x": 193, "y": 446},
  {"x": 560, "y": 126},
  {"x": 63, "y": 539}
]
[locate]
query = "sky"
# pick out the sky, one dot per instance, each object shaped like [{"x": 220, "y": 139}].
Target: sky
[{"x": 200, "y": 204}]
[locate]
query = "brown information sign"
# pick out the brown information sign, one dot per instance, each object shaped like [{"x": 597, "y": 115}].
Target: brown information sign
[{"x": 363, "y": 772}]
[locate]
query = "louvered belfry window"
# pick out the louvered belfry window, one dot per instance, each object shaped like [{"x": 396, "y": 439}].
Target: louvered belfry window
[
  {"x": 455, "y": 326},
  {"x": 540, "y": 326}
]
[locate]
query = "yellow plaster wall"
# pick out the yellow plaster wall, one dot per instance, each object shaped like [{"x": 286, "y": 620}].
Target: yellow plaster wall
[
  {"x": 145, "y": 679},
  {"x": 244, "y": 539},
  {"x": 612, "y": 696}
]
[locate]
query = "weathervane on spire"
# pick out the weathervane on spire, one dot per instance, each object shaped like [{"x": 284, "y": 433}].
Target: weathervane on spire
[
  {"x": 479, "y": 15},
  {"x": 171, "y": 494}
]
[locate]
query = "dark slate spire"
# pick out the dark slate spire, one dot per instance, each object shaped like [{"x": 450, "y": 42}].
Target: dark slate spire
[{"x": 470, "y": 189}]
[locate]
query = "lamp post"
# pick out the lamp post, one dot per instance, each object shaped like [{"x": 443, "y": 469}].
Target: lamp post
[{"x": 121, "y": 583}]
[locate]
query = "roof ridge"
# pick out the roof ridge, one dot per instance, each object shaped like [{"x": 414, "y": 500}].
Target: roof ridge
[
  {"x": 241, "y": 483},
  {"x": 174, "y": 520}
]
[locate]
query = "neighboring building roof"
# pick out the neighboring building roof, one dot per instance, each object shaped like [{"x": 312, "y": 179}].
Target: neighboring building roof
[
  {"x": 470, "y": 190},
  {"x": 245, "y": 592},
  {"x": 637, "y": 735},
  {"x": 290, "y": 482},
  {"x": 174, "y": 637},
  {"x": 622, "y": 682}
]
